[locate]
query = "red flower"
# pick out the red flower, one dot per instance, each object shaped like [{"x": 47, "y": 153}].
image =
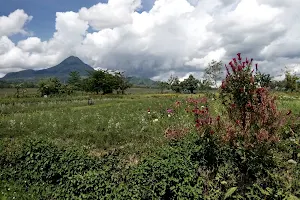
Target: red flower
[
  {"x": 227, "y": 70},
  {"x": 239, "y": 56},
  {"x": 240, "y": 67},
  {"x": 211, "y": 132},
  {"x": 218, "y": 118},
  {"x": 247, "y": 61},
  {"x": 223, "y": 86}
]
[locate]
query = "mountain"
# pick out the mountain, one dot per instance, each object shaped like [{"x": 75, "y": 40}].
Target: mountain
[
  {"x": 60, "y": 71},
  {"x": 138, "y": 81}
]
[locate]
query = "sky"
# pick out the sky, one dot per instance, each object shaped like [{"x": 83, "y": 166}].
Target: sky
[{"x": 150, "y": 38}]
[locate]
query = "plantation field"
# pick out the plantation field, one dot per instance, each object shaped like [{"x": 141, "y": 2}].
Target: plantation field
[{"x": 120, "y": 148}]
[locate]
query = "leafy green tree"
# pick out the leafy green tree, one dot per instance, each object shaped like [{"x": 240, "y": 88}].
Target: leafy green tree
[
  {"x": 101, "y": 81},
  {"x": 51, "y": 86},
  {"x": 290, "y": 81},
  {"x": 21, "y": 90},
  {"x": 175, "y": 84},
  {"x": 163, "y": 86},
  {"x": 190, "y": 84},
  {"x": 74, "y": 80},
  {"x": 204, "y": 84},
  {"x": 122, "y": 82},
  {"x": 213, "y": 72},
  {"x": 264, "y": 80}
]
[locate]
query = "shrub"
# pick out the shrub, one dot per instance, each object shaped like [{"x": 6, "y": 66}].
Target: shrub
[{"x": 253, "y": 118}]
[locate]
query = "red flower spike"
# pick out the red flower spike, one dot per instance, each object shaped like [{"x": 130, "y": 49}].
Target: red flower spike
[
  {"x": 234, "y": 60},
  {"x": 239, "y": 56},
  {"x": 228, "y": 73}
]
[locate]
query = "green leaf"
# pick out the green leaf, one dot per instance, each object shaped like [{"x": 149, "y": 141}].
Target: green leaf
[
  {"x": 230, "y": 192},
  {"x": 223, "y": 182},
  {"x": 292, "y": 197}
]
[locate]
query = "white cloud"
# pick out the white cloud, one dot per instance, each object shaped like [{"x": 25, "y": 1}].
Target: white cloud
[
  {"x": 176, "y": 37},
  {"x": 13, "y": 23},
  {"x": 113, "y": 14}
]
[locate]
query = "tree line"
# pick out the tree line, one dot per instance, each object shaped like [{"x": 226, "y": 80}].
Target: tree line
[
  {"x": 99, "y": 81},
  {"x": 105, "y": 82},
  {"x": 214, "y": 73}
]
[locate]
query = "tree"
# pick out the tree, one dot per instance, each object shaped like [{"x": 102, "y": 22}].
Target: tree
[
  {"x": 190, "y": 84},
  {"x": 49, "y": 86},
  {"x": 204, "y": 84},
  {"x": 264, "y": 80},
  {"x": 163, "y": 86},
  {"x": 213, "y": 72},
  {"x": 101, "y": 81},
  {"x": 122, "y": 82},
  {"x": 175, "y": 84},
  {"x": 290, "y": 81},
  {"x": 20, "y": 90},
  {"x": 74, "y": 80}
]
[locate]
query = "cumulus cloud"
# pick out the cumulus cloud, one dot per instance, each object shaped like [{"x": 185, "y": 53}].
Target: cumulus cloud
[
  {"x": 178, "y": 37},
  {"x": 14, "y": 23},
  {"x": 114, "y": 13}
]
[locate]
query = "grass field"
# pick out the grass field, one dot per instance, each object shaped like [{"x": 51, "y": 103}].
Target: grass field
[{"x": 114, "y": 122}]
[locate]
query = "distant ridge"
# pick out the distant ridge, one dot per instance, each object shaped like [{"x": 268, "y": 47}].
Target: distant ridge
[{"x": 60, "y": 71}]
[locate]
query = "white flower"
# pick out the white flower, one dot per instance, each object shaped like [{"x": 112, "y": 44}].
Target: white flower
[
  {"x": 202, "y": 107},
  {"x": 155, "y": 120},
  {"x": 149, "y": 112},
  {"x": 169, "y": 115}
]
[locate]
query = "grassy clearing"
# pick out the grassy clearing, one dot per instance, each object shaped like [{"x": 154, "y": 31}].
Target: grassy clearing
[{"x": 113, "y": 123}]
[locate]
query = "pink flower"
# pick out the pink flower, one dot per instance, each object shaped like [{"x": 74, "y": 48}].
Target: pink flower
[{"x": 169, "y": 111}]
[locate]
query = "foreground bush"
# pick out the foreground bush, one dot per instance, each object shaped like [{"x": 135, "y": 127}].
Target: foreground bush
[{"x": 191, "y": 168}]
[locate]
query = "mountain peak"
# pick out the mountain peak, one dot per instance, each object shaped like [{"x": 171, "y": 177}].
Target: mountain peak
[
  {"x": 61, "y": 71},
  {"x": 72, "y": 60}
]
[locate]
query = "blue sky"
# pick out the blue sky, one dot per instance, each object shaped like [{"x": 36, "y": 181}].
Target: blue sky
[{"x": 43, "y": 12}]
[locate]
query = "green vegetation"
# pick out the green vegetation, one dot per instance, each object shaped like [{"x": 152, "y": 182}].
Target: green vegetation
[{"x": 238, "y": 143}]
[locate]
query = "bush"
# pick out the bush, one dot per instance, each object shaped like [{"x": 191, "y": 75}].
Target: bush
[{"x": 51, "y": 172}]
